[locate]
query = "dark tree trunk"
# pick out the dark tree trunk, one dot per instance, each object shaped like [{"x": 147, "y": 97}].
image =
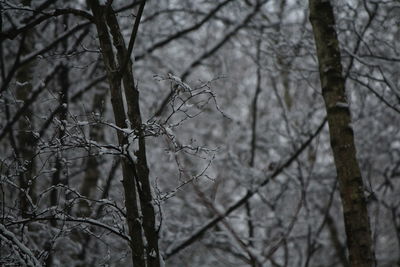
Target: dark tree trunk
[
  {"x": 133, "y": 219},
  {"x": 135, "y": 172},
  {"x": 359, "y": 242}
]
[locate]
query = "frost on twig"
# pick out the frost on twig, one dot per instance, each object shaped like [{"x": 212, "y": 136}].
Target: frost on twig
[{"x": 22, "y": 253}]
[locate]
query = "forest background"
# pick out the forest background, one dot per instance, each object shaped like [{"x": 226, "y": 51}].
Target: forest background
[{"x": 199, "y": 133}]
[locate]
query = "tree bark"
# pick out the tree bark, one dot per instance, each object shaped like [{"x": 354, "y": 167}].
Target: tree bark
[
  {"x": 25, "y": 136},
  {"x": 141, "y": 166},
  {"x": 93, "y": 172},
  {"x": 132, "y": 209},
  {"x": 359, "y": 241},
  {"x": 135, "y": 172}
]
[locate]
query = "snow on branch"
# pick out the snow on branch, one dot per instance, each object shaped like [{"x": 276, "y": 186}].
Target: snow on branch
[{"x": 22, "y": 253}]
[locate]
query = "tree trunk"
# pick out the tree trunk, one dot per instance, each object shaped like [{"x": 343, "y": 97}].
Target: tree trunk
[
  {"x": 135, "y": 172},
  {"x": 25, "y": 136},
  {"x": 141, "y": 167},
  {"x": 133, "y": 218},
  {"x": 355, "y": 212},
  {"x": 93, "y": 172}
]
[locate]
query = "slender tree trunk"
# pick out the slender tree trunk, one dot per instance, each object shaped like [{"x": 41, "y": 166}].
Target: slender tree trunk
[
  {"x": 141, "y": 167},
  {"x": 133, "y": 218},
  {"x": 93, "y": 172},
  {"x": 59, "y": 176},
  {"x": 135, "y": 172},
  {"x": 355, "y": 212},
  {"x": 25, "y": 136}
]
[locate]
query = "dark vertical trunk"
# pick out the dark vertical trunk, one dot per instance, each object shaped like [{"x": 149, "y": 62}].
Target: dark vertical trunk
[
  {"x": 355, "y": 212},
  {"x": 25, "y": 136},
  {"x": 128, "y": 171},
  {"x": 141, "y": 167},
  {"x": 92, "y": 173},
  {"x": 253, "y": 147},
  {"x": 58, "y": 177}
]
